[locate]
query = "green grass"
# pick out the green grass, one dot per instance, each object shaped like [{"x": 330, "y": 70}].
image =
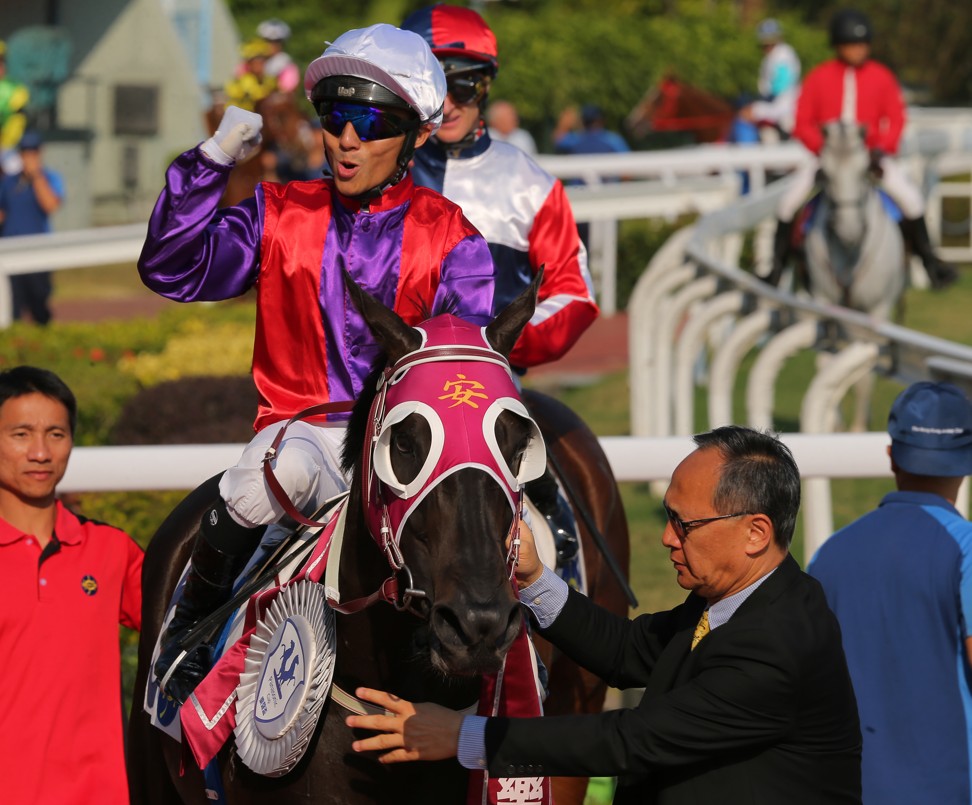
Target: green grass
[{"x": 99, "y": 282}]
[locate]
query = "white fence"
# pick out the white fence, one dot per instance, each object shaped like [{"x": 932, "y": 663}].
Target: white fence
[{"x": 692, "y": 289}]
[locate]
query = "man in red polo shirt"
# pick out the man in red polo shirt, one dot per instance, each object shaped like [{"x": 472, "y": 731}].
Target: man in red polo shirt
[
  {"x": 854, "y": 88},
  {"x": 69, "y": 582}
]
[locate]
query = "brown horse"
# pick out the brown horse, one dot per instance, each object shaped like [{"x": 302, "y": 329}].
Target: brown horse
[
  {"x": 388, "y": 649},
  {"x": 673, "y": 105},
  {"x": 292, "y": 147}
]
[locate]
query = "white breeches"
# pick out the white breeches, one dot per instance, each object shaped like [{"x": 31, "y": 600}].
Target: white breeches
[
  {"x": 894, "y": 181},
  {"x": 308, "y": 467}
]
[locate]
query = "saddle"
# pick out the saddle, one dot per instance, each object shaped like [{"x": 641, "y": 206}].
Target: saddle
[{"x": 276, "y": 658}]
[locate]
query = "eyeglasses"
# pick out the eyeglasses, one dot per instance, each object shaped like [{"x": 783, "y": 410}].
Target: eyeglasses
[
  {"x": 369, "y": 122},
  {"x": 682, "y": 527},
  {"x": 467, "y": 88}
]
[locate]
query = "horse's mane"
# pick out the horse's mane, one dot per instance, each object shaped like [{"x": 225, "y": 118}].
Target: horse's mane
[{"x": 358, "y": 422}]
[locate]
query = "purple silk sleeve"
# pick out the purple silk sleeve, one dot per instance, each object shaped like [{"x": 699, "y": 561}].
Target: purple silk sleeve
[
  {"x": 194, "y": 251},
  {"x": 467, "y": 281}
]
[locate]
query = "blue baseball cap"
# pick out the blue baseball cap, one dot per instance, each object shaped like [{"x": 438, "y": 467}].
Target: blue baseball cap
[
  {"x": 30, "y": 141},
  {"x": 930, "y": 425}
]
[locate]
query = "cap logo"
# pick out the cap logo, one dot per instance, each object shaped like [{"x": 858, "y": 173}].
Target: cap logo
[
  {"x": 926, "y": 429},
  {"x": 345, "y": 92}
]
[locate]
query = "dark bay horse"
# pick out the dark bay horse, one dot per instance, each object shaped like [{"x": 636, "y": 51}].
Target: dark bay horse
[
  {"x": 454, "y": 548},
  {"x": 675, "y": 106}
]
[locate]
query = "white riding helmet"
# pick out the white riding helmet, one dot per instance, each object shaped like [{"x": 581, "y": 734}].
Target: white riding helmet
[
  {"x": 274, "y": 30},
  {"x": 400, "y": 61}
]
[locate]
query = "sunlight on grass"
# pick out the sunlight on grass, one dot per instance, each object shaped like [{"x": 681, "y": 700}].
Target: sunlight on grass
[{"x": 100, "y": 282}]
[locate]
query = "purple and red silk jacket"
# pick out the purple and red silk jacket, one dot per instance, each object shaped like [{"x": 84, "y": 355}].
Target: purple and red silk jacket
[{"x": 412, "y": 249}]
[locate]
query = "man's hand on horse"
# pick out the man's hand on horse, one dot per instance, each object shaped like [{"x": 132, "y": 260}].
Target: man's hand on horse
[
  {"x": 529, "y": 568},
  {"x": 237, "y": 137},
  {"x": 423, "y": 731}
]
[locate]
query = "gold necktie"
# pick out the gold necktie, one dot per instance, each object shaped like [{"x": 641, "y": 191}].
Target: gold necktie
[{"x": 701, "y": 629}]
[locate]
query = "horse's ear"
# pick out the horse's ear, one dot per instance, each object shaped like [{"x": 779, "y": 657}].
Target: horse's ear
[
  {"x": 503, "y": 331},
  {"x": 394, "y": 335}
]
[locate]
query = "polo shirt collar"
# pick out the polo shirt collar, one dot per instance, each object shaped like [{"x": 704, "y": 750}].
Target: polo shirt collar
[
  {"x": 917, "y": 499},
  {"x": 66, "y": 526}
]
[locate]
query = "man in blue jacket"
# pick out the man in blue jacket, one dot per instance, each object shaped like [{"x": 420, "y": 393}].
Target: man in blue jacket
[{"x": 899, "y": 580}]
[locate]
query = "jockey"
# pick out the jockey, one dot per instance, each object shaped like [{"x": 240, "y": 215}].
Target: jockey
[
  {"x": 13, "y": 102},
  {"x": 522, "y": 210},
  {"x": 253, "y": 83},
  {"x": 779, "y": 79},
  {"x": 854, "y": 87},
  {"x": 279, "y": 64},
  {"x": 379, "y": 93}
]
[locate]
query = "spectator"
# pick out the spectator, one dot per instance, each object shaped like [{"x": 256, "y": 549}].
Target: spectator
[
  {"x": 591, "y": 138},
  {"x": 779, "y": 83},
  {"x": 27, "y": 200},
  {"x": 584, "y": 133},
  {"x": 899, "y": 580},
  {"x": 852, "y": 87},
  {"x": 379, "y": 93},
  {"x": 280, "y": 66},
  {"x": 747, "y": 696},
  {"x": 504, "y": 125},
  {"x": 13, "y": 102},
  {"x": 69, "y": 583}
]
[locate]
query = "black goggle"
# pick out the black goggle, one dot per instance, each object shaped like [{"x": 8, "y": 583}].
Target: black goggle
[
  {"x": 369, "y": 122},
  {"x": 467, "y": 89}
]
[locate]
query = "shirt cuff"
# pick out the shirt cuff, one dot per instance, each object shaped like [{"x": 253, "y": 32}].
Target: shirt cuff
[
  {"x": 472, "y": 743},
  {"x": 545, "y": 597}
]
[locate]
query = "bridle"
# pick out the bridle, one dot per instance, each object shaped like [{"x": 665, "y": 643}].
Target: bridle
[{"x": 387, "y": 502}]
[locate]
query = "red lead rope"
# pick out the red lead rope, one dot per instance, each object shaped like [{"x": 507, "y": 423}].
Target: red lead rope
[{"x": 278, "y": 491}]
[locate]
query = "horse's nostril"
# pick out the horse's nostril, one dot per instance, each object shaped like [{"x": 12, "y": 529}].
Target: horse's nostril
[{"x": 476, "y": 626}]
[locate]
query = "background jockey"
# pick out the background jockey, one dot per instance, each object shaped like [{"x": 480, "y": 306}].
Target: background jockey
[
  {"x": 13, "y": 103},
  {"x": 853, "y": 87},
  {"x": 280, "y": 65},
  {"x": 379, "y": 93},
  {"x": 521, "y": 210},
  {"x": 253, "y": 83},
  {"x": 779, "y": 81}
]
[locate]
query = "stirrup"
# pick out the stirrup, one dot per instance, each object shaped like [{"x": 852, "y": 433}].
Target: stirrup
[{"x": 564, "y": 530}]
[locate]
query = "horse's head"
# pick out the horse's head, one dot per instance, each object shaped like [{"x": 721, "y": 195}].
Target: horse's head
[
  {"x": 672, "y": 105},
  {"x": 448, "y": 446},
  {"x": 845, "y": 178}
]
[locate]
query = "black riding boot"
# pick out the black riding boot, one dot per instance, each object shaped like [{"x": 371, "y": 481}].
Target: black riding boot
[
  {"x": 781, "y": 250},
  {"x": 545, "y": 494},
  {"x": 915, "y": 232},
  {"x": 221, "y": 550}
]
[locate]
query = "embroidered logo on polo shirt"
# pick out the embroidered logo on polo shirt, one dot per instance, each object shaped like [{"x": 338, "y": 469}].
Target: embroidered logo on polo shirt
[{"x": 89, "y": 585}]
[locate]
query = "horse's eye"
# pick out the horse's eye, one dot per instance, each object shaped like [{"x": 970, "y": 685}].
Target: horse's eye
[
  {"x": 517, "y": 459},
  {"x": 403, "y": 442}
]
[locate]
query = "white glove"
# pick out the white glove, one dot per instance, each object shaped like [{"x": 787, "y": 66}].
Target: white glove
[{"x": 237, "y": 137}]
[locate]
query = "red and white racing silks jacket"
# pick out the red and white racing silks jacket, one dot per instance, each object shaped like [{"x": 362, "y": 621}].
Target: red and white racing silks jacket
[
  {"x": 879, "y": 106},
  {"x": 524, "y": 214}
]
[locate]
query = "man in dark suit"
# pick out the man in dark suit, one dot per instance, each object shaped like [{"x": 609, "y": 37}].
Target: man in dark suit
[{"x": 747, "y": 695}]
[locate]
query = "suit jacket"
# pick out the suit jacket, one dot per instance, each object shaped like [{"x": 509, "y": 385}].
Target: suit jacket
[{"x": 762, "y": 711}]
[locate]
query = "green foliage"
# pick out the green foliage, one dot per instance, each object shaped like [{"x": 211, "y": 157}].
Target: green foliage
[
  {"x": 88, "y": 356},
  {"x": 191, "y": 352},
  {"x": 552, "y": 57}
]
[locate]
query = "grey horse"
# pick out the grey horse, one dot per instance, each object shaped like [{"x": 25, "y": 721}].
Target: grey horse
[{"x": 855, "y": 255}]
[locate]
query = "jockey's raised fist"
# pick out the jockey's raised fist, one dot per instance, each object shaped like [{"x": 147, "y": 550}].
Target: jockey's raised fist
[{"x": 237, "y": 137}]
